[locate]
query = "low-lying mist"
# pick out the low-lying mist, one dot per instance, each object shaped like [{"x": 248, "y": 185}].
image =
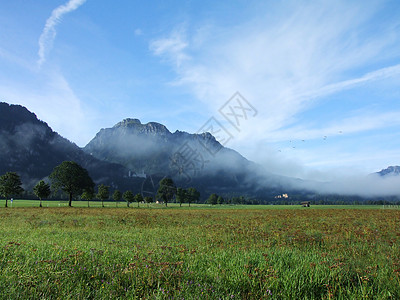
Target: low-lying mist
[{"x": 339, "y": 182}]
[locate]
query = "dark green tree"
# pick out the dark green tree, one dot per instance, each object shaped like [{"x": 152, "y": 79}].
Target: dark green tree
[
  {"x": 88, "y": 195},
  {"x": 10, "y": 185},
  {"x": 148, "y": 200},
  {"x": 213, "y": 199},
  {"x": 71, "y": 178},
  {"x": 138, "y": 199},
  {"x": 128, "y": 197},
  {"x": 220, "y": 200},
  {"x": 181, "y": 196},
  {"x": 103, "y": 193},
  {"x": 117, "y": 197},
  {"x": 42, "y": 190},
  {"x": 235, "y": 200},
  {"x": 193, "y": 195},
  {"x": 166, "y": 190}
]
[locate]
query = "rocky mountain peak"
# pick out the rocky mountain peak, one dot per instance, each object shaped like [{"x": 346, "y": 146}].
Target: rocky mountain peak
[
  {"x": 391, "y": 170},
  {"x": 207, "y": 136},
  {"x": 156, "y": 127},
  {"x": 128, "y": 123},
  {"x": 135, "y": 126}
]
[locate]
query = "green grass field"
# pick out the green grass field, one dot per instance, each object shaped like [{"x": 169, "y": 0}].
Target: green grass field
[{"x": 202, "y": 252}]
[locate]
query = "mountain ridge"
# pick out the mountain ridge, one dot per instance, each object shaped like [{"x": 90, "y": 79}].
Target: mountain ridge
[
  {"x": 151, "y": 148},
  {"x": 389, "y": 171},
  {"x": 31, "y": 148},
  {"x": 130, "y": 153}
]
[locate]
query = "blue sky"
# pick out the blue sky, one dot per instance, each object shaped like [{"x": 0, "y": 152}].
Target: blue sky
[{"x": 323, "y": 76}]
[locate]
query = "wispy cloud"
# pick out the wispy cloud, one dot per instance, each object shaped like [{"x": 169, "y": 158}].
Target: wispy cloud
[
  {"x": 362, "y": 122},
  {"x": 287, "y": 61},
  {"x": 172, "y": 47},
  {"x": 309, "y": 52},
  {"x": 348, "y": 84},
  {"x": 138, "y": 32},
  {"x": 49, "y": 31}
]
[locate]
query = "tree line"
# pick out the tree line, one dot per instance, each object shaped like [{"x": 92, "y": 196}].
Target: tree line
[{"x": 74, "y": 180}]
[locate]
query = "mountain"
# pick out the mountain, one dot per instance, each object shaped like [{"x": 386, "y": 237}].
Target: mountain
[
  {"x": 190, "y": 159},
  {"x": 31, "y": 148},
  {"x": 132, "y": 155},
  {"x": 390, "y": 171},
  {"x": 137, "y": 147},
  {"x": 136, "y": 156},
  {"x": 152, "y": 148}
]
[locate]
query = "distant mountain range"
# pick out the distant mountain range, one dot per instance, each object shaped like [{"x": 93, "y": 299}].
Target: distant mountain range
[
  {"x": 135, "y": 156},
  {"x": 390, "y": 171},
  {"x": 129, "y": 155},
  {"x": 190, "y": 159}
]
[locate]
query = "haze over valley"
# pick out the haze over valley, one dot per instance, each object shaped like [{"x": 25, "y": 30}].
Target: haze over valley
[
  {"x": 270, "y": 97},
  {"x": 130, "y": 154}
]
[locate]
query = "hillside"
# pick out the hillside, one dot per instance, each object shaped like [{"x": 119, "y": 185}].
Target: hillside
[
  {"x": 191, "y": 159},
  {"x": 31, "y": 148},
  {"x": 135, "y": 156}
]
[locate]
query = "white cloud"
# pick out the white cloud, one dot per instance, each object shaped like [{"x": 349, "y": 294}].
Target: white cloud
[
  {"x": 138, "y": 32},
  {"x": 281, "y": 66},
  {"x": 379, "y": 74},
  {"x": 285, "y": 62},
  {"x": 367, "y": 186},
  {"x": 49, "y": 31},
  {"x": 365, "y": 121},
  {"x": 172, "y": 48}
]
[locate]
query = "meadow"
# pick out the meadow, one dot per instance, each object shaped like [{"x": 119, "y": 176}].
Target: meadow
[{"x": 200, "y": 252}]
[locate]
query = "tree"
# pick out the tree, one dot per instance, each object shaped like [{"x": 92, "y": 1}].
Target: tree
[
  {"x": 138, "y": 199},
  {"x": 193, "y": 195},
  {"x": 88, "y": 195},
  {"x": 166, "y": 190},
  {"x": 220, "y": 200},
  {"x": 148, "y": 200},
  {"x": 42, "y": 190},
  {"x": 128, "y": 197},
  {"x": 103, "y": 193},
  {"x": 10, "y": 185},
  {"x": 213, "y": 199},
  {"x": 117, "y": 197},
  {"x": 71, "y": 178},
  {"x": 181, "y": 196}
]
